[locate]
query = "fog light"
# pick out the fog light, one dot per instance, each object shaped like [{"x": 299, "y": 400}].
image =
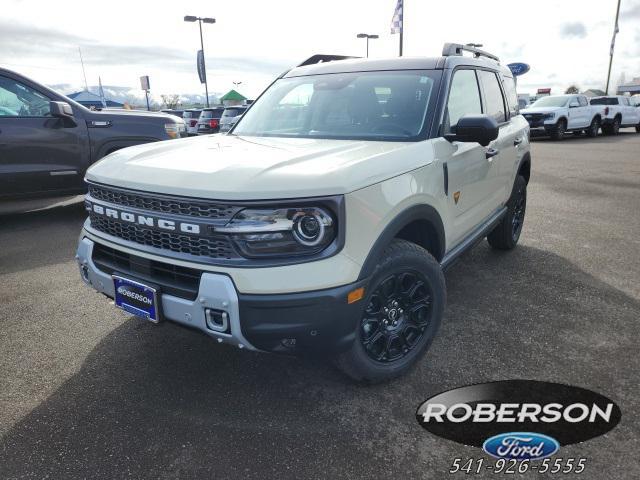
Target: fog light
[
  {"x": 217, "y": 320},
  {"x": 84, "y": 273}
]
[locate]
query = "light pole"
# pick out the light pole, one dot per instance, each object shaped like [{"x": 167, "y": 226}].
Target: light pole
[
  {"x": 367, "y": 36},
  {"x": 613, "y": 43},
  {"x": 200, "y": 20}
]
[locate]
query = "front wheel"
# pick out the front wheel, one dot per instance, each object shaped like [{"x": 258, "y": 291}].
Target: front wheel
[
  {"x": 592, "y": 131},
  {"x": 506, "y": 234},
  {"x": 557, "y": 133},
  {"x": 404, "y": 305}
]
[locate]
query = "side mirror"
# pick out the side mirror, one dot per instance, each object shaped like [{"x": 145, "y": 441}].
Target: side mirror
[
  {"x": 61, "y": 110},
  {"x": 474, "y": 128}
]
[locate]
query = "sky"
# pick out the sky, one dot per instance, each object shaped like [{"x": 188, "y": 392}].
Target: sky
[{"x": 565, "y": 42}]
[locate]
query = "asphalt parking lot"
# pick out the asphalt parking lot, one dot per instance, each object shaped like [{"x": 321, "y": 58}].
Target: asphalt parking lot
[{"x": 89, "y": 392}]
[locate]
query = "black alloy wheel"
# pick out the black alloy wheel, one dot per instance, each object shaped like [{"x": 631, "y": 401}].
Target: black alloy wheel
[{"x": 396, "y": 317}]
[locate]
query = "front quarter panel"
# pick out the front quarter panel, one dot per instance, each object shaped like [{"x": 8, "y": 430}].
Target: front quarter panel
[{"x": 371, "y": 209}]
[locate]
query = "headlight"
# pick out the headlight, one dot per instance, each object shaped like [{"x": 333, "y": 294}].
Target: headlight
[
  {"x": 549, "y": 116},
  {"x": 282, "y": 231},
  {"x": 174, "y": 129}
]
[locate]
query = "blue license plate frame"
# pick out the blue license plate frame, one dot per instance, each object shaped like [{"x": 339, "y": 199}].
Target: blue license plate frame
[{"x": 137, "y": 298}]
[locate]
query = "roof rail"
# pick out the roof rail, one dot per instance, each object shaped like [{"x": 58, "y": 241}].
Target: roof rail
[
  {"x": 323, "y": 58},
  {"x": 451, "y": 49}
]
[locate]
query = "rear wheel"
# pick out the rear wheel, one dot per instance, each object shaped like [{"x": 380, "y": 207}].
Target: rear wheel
[
  {"x": 506, "y": 234},
  {"x": 592, "y": 131},
  {"x": 404, "y": 307},
  {"x": 638, "y": 128},
  {"x": 612, "y": 128},
  {"x": 559, "y": 130}
]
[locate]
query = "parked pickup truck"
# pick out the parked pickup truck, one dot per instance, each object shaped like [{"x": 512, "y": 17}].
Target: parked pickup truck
[
  {"x": 618, "y": 112},
  {"x": 47, "y": 141},
  {"x": 555, "y": 115}
]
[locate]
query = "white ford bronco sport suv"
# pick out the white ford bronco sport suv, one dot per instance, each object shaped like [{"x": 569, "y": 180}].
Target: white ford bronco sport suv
[{"x": 323, "y": 221}]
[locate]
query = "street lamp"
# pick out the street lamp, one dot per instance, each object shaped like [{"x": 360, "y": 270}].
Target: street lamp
[
  {"x": 367, "y": 36},
  {"x": 201, "y": 20}
]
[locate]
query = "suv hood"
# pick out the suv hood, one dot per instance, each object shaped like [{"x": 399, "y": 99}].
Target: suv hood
[{"x": 228, "y": 167}]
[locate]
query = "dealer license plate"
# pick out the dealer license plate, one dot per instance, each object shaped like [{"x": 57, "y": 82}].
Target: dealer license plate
[{"x": 136, "y": 298}]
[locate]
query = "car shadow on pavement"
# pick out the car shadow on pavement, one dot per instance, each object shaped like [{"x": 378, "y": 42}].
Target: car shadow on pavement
[
  {"x": 166, "y": 402},
  {"x": 35, "y": 237}
]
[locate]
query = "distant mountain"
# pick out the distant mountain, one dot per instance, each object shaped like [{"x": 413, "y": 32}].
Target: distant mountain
[{"x": 133, "y": 96}]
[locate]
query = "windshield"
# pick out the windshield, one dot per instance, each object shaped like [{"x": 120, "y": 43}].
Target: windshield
[
  {"x": 364, "y": 105},
  {"x": 604, "y": 101},
  {"x": 559, "y": 101},
  {"x": 212, "y": 113}
]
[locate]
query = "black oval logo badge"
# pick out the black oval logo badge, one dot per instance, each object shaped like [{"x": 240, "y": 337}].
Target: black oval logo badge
[{"x": 473, "y": 414}]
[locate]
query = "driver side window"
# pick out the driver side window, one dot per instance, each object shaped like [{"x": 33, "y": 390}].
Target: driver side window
[
  {"x": 464, "y": 98},
  {"x": 18, "y": 100}
]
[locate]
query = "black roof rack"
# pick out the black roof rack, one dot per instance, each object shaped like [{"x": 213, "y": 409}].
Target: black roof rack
[
  {"x": 324, "y": 58},
  {"x": 451, "y": 49}
]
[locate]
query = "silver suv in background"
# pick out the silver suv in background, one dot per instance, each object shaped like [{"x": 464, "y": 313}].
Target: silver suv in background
[
  {"x": 209, "y": 121},
  {"x": 230, "y": 116},
  {"x": 190, "y": 118}
]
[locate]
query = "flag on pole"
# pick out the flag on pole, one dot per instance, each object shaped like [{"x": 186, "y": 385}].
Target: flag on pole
[
  {"x": 396, "y": 21},
  {"x": 104, "y": 102}
]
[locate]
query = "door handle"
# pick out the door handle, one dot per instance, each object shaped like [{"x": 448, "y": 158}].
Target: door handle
[
  {"x": 490, "y": 153},
  {"x": 517, "y": 142}
]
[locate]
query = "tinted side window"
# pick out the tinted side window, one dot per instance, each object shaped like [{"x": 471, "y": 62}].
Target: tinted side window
[
  {"x": 492, "y": 95},
  {"x": 512, "y": 96},
  {"x": 18, "y": 100},
  {"x": 464, "y": 97}
]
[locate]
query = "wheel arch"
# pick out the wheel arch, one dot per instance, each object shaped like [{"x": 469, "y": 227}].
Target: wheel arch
[
  {"x": 420, "y": 224},
  {"x": 524, "y": 167}
]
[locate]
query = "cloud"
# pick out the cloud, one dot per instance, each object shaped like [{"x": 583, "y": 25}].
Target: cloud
[
  {"x": 18, "y": 41},
  {"x": 631, "y": 12},
  {"x": 573, "y": 30}
]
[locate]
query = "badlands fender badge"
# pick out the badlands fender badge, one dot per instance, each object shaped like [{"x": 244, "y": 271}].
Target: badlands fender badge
[{"x": 518, "y": 419}]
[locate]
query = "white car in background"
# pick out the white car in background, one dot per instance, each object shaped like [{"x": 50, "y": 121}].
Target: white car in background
[
  {"x": 190, "y": 118},
  {"x": 619, "y": 112},
  {"x": 555, "y": 115},
  {"x": 230, "y": 116}
]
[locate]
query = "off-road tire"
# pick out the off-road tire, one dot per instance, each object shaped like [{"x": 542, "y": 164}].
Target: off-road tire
[
  {"x": 558, "y": 131},
  {"x": 400, "y": 259},
  {"x": 612, "y": 128},
  {"x": 592, "y": 131},
  {"x": 506, "y": 234}
]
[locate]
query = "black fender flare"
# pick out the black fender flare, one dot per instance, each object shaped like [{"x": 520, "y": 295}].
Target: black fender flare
[
  {"x": 525, "y": 160},
  {"x": 404, "y": 218}
]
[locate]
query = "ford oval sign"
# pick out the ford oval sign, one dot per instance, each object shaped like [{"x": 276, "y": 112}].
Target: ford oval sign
[
  {"x": 521, "y": 446},
  {"x": 518, "y": 68},
  {"x": 494, "y": 415}
]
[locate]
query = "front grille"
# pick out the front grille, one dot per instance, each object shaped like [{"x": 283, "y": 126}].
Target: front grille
[
  {"x": 172, "y": 279},
  {"x": 534, "y": 116},
  {"x": 218, "y": 247},
  {"x": 163, "y": 204}
]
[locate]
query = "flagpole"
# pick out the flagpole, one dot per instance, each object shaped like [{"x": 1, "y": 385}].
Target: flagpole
[{"x": 613, "y": 41}]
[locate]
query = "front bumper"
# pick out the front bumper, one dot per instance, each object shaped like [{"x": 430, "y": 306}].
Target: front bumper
[{"x": 315, "y": 322}]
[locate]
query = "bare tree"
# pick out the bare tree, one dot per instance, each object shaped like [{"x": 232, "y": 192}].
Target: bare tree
[
  {"x": 572, "y": 89},
  {"x": 170, "y": 101}
]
